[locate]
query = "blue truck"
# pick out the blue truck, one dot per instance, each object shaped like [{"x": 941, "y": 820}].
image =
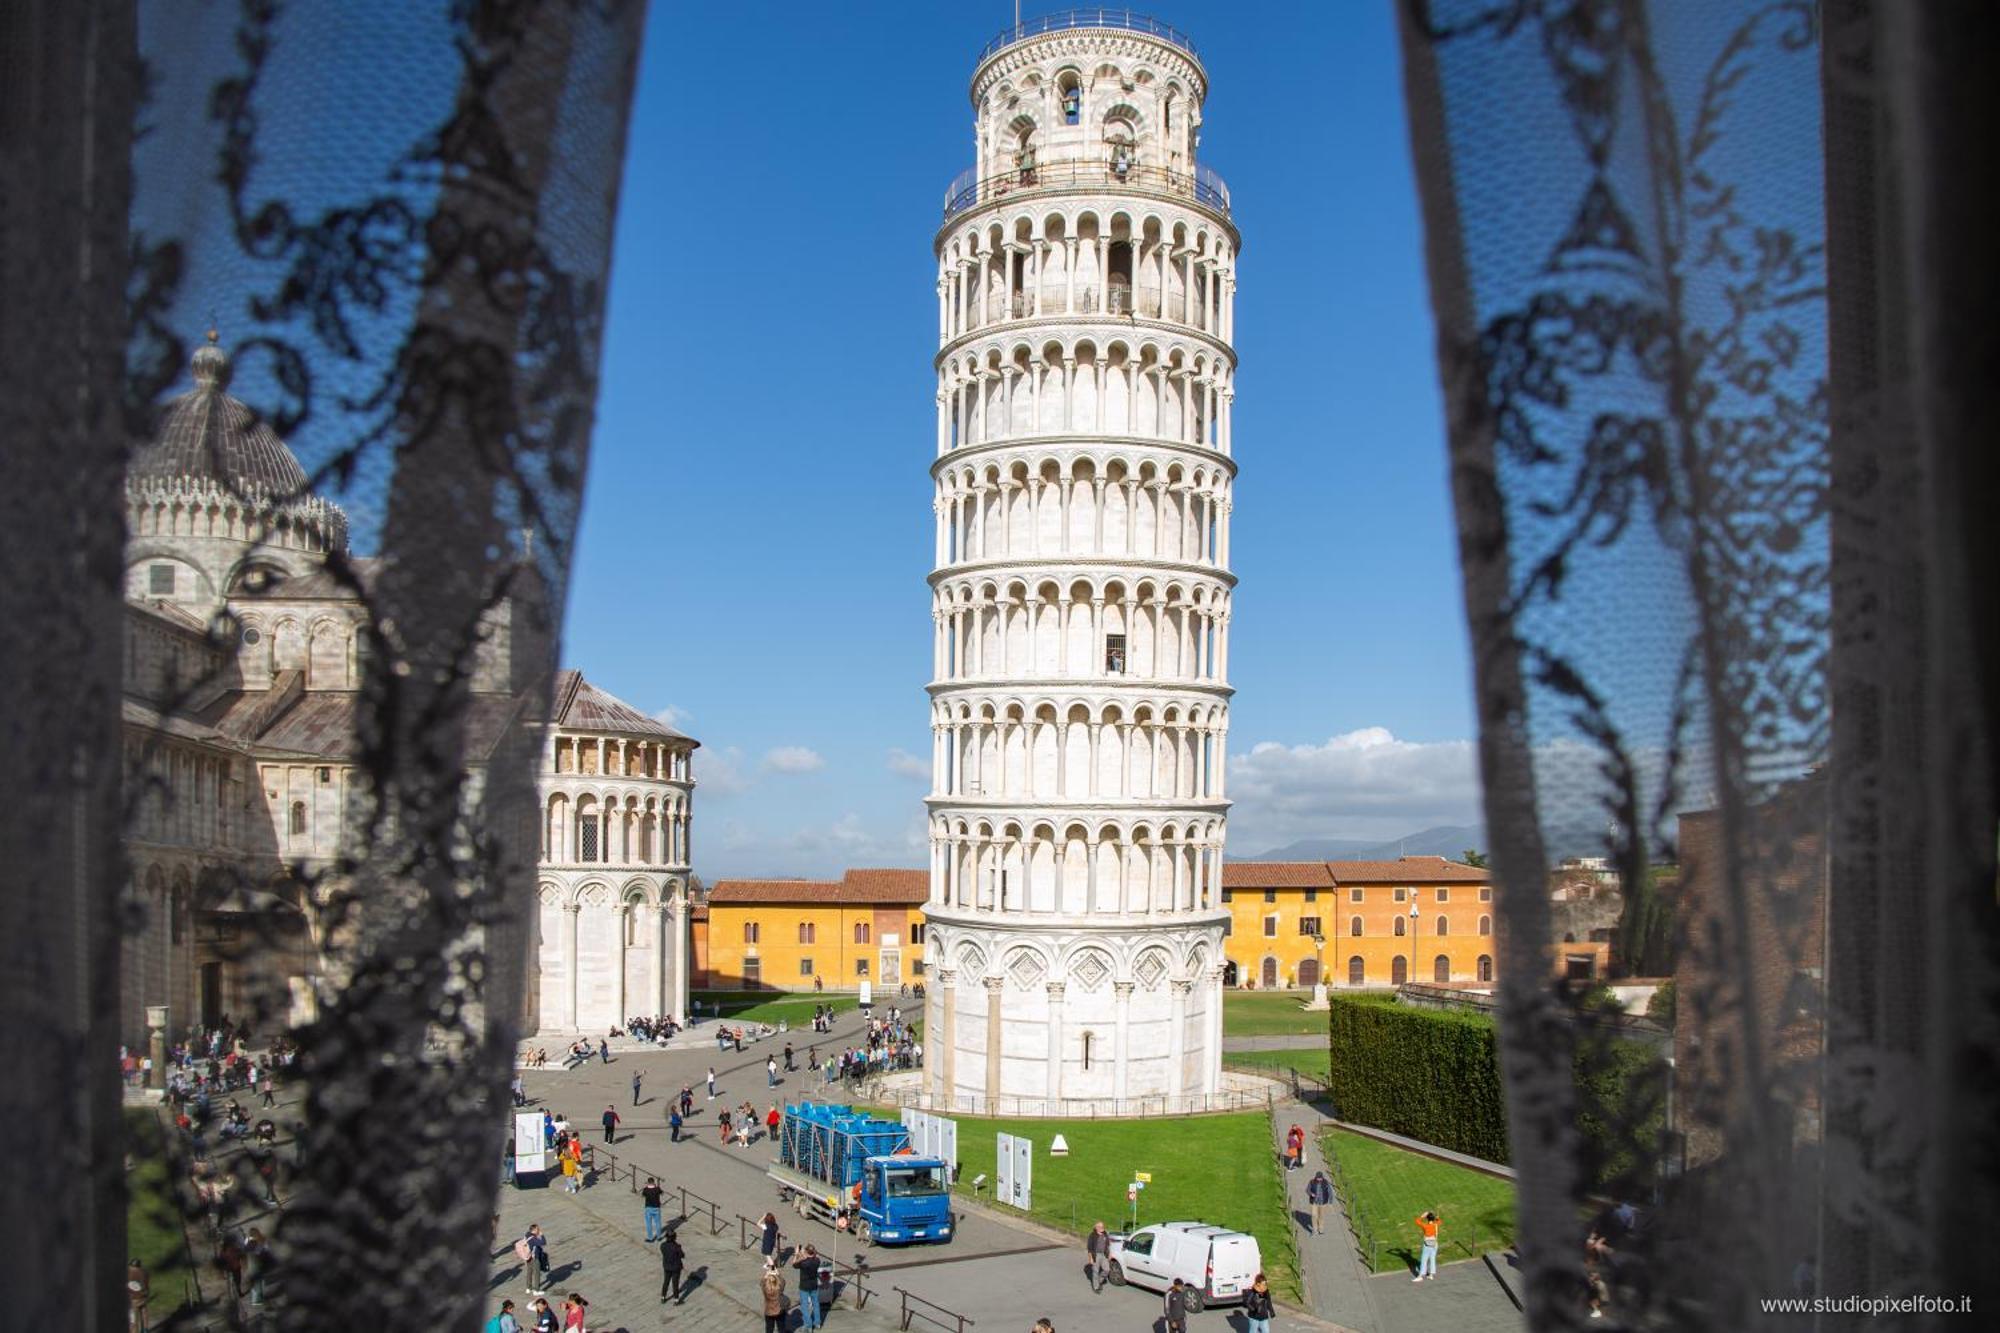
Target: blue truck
[{"x": 835, "y": 1162}]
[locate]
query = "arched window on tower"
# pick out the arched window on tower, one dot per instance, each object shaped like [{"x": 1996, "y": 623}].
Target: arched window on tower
[
  {"x": 298, "y": 824},
  {"x": 1069, "y": 96}
]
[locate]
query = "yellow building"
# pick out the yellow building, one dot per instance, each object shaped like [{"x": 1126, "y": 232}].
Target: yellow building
[
  {"x": 867, "y": 925},
  {"x": 1366, "y": 923}
]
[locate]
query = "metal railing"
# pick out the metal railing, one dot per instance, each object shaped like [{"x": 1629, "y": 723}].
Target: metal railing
[
  {"x": 1063, "y": 20},
  {"x": 1201, "y": 185},
  {"x": 959, "y": 1323}
]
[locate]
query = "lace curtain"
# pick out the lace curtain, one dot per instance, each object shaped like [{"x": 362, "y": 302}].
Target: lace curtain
[
  {"x": 1699, "y": 272},
  {"x": 399, "y": 217}
]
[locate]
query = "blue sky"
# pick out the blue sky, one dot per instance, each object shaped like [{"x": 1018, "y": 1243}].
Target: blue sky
[{"x": 757, "y": 526}]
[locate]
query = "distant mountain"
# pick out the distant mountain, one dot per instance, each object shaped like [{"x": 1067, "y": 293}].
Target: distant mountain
[{"x": 1448, "y": 840}]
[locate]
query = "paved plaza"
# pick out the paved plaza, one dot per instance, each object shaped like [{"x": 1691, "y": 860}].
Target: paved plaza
[{"x": 1000, "y": 1273}]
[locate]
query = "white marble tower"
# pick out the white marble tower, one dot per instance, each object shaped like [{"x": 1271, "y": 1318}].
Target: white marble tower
[{"x": 1081, "y": 594}]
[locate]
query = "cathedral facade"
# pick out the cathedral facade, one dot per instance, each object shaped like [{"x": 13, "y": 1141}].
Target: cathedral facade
[
  {"x": 245, "y": 653},
  {"x": 1081, "y": 591}
]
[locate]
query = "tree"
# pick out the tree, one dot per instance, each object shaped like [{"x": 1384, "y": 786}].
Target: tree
[
  {"x": 1660, "y": 1006},
  {"x": 1645, "y": 936},
  {"x": 1477, "y": 860}
]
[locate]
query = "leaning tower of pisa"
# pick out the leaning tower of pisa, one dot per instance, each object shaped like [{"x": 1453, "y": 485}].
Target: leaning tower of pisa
[{"x": 1081, "y": 589}]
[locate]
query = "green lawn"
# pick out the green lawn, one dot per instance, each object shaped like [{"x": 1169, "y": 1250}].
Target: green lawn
[
  {"x": 1221, "y": 1169},
  {"x": 762, "y": 1006},
  {"x": 1386, "y": 1187},
  {"x": 1270, "y": 1013},
  {"x": 1309, "y": 1060},
  {"x": 152, "y": 1217}
]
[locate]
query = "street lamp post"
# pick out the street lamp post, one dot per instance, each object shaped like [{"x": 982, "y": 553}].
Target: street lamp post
[
  {"x": 1412, "y": 978},
  {"x": 1318, "y": 1000}
]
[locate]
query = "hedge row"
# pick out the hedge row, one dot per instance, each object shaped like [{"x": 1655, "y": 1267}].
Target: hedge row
[{"x": 1434, "y": 1075}]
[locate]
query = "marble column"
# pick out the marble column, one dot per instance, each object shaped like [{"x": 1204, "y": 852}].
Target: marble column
[
  {"x": 1055, "y": 1040},
  {"x": 994, "y": 986},
  {"x": 1122, "y": 1042},
  {"x": 569, "y": 965}
]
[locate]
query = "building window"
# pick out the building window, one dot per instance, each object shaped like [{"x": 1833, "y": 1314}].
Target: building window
[
  {"x": 1114, "y": 654},
  {"x": 1069, "y": 91},
  {"x": 1399, "y": 927},
  {"x": 1486, "y": 925},
  {"x": 861, "y": 967},
  {"x": 1308, "y": 925},
  {"x": 916, "y": 932},
  {"x": 1357, "y": 972},
  {"x": 1270, "y": 927},
  {"x": 160, "y": 580},
  {"x": 1444, "y": 926},
  {"x": 1399, "y": 970},
  {"x": 1441, "y": 969},
  {"x": 861, "y": 932},
  {"x": 807, "y": 933},
  {"x": 1443, "y": 895},
  {"x": 1486, "y": 895},
  {"x": 750, "y": 932},
  {"x": 1312, "y": 895},
  {"x": 298, "y": 817},
  {"x": 1354, "y": 926},
  {"x": 586, "y": 838},
  {"x": 1228, "y": 927},
  {"x": 753, "y": 972},
  {"x": 1485, "y": 967},
  {"x": 916, "y": 967},
  {"x": 1270, "y": 895},
  {"x": 325, "y": 776},
  {"x": 805, "y": 967},
  {"x": 1354, "y": 895},
  {"x": 1400, "y": 893}
]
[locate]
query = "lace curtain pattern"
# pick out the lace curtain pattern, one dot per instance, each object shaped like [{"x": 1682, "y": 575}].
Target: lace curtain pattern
[
  {"x": 1693, "y": 502},
  {"x": 399, "y": 216}
]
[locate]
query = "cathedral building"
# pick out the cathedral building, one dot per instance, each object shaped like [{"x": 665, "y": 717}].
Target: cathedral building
[
  {"x": 245, "y": 654},
  {"x": 1081, "y": 591}
]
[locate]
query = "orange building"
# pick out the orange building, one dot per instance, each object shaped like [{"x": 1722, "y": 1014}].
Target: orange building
[
  {"x": 1360, "y": 923},
  {"x": 785, "y": 933}
]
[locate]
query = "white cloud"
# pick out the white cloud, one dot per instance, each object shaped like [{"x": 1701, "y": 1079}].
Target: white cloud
[
  {"x": 904, "y": 764},
  {"x": 1362, "y": 784},
  {"x": 677, "y": 718},
  {"x": 722, "y": 772},
  {"x": 793, "y": 759}
]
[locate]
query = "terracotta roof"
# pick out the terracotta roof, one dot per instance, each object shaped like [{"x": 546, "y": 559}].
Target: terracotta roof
[
  {"x": 581, "y": 706},
  {"x": 1407, "y": 870},
  {"x": 1275, "y": 875},
  {"x": 857, "y": 886}
]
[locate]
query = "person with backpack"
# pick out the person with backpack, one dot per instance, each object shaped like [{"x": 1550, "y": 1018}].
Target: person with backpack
[
  {"x": 1257, "y": 1307},
  {"x": 672, "y": 1259},
  {"x": 533, "y": 1252},
  {"x": 1175, "y": 1307},
  {"x": 504, "y": 1322},
  {"x": 649, "y": 1205},
  {"x": 1319, "y": 1193}
]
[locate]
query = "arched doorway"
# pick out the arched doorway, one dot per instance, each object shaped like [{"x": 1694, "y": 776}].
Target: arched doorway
[
  {"x": 1441, "y": 969},
  {"x": 1229, "y": 973},
  {"x": 1269, "y": 980},
  {"x": 1357, "y": 972},
  {"x": 1485, "y": 967},
  {"x": 1309, "y": 972},
  {"x": 1399, "y": 971}
]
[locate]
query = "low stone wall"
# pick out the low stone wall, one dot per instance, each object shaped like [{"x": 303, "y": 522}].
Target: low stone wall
[{"x": 1240, "y": 1091}]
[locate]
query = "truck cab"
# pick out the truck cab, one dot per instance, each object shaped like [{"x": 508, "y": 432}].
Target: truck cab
[{"x": 904, "y": 1199}]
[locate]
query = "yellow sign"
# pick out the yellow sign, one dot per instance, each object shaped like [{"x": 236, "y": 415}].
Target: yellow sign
[{"x": 1146, "y": 1176}]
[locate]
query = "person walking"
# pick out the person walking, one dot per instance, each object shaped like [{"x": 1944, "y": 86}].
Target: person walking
[
  {"x": 572, "y": 1172},
  {"x": 771, "y": 1072},
  {"x": 520, "y": 1093},
  {"x": 1319, "y": 1193},
  {"x": 257, "y": 1261},
  {"x": 1427, "y": 1258},
  {"x": 1174, "y": 1305},
  {"x": 807, "y": 1267},
  {"x": 1295, "y": 1147},
  {"x": 1097, "y": 1246},
  {"x": 767, "y": 1242},
  {"x": 711, "y": 1082},
  {"x": 1257, "y": 1307},
  {"x": 610, "y": 1119},
  {"x": 139, "y": 1292},
  {"x": 638, "y": 1081},
  {"x": 672, "y": 1259},
  {"x": 674, "y": 1123},
  {"x": 537, "y": 1261},
  {"x": 773, "y": 1284},
  {"x": 603, "y": 1050},
  {"x": 722, "y": 1124},
  {"x": 649, "y": 1203},
  {"x": 504, "y": 1322},
  {"x": 687, "y": 1100},
  {"x": 772, "y": 1120},
  {"x": 790, "y": 1068}
]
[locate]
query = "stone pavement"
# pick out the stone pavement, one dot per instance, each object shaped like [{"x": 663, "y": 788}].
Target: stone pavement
[
  {"x": 1000, "y": 1273},
  {"x": 1465, "y": 1297},
  {"x": 1294, "y": 1042}
]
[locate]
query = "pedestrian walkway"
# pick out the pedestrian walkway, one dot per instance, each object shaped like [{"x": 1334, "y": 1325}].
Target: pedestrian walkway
[
  {"x": 1295, "y": 1042},
  {"x": 1465, "y": 1297}
]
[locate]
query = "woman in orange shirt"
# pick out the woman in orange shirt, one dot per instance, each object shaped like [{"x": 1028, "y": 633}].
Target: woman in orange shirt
[{"x": 1427, "y": 1259}]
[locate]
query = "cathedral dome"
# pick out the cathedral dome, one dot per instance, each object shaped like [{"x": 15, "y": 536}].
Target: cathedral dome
[{"x": 206, "y": 435}]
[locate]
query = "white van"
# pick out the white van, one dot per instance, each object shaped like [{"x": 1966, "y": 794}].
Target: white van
[{"x": 1215, "y": 1263}]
